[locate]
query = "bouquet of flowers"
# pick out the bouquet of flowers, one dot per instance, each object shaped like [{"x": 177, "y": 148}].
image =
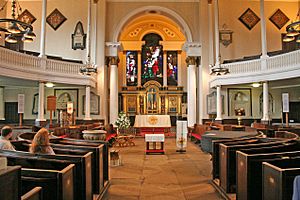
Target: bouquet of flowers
[{"x": 122, "y": 122}]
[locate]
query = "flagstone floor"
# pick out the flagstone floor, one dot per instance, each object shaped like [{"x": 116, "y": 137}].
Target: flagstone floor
[{"x": 162, "y": 177}]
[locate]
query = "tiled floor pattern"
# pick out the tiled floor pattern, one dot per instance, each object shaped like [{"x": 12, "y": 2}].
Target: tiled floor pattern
[{"x": 162, "y": 177}]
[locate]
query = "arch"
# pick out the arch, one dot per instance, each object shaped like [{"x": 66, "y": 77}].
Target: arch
[{"x": 146, "y": 9}]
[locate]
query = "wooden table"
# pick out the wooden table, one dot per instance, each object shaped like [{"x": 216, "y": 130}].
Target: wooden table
[{"x": 155, "y": 138}]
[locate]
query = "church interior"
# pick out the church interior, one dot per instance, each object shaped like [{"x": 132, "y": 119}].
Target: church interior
[{"x": 169, "y": 99}]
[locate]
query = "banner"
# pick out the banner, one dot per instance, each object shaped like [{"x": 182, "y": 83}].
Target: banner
[
  {"x": 181, "y": 135},
  {"x": 21, "y": 103},
  {"x": 285, "y": 102}
]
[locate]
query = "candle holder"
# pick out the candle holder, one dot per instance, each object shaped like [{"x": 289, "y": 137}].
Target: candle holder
[{"x": 239, "y": 121}]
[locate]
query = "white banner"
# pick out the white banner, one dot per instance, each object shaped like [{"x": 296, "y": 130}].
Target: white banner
[
  {"x": 181, "y": 134},
  {"x": 285, "y": 102},
  {"x": 21, "y": 103}
]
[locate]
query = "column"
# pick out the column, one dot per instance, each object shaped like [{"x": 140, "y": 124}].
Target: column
[
  {"x": 43, "y": 29},
  {"x": 102, "y": 77},
  {"x": 217, "y": 37},
  {"x": 41, "y": 104},
  {"x": 191, "y": 89},
  {"x": 266, "y": 116},
  {"x": 2, "y": 116},
  {"x": 113, "y": 85},
  {"x": 139, "y": 72},
  {"x": 200, "y": 93},
  {"x": 264, "y": 50},
  {"x": 165, "y": 78},
  {"x": 219, "y": 104},
  {"x": 87, "y": 103},
  {"x": 210, "y": 33}
]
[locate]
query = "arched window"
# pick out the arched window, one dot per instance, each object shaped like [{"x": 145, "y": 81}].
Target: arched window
[{"x": 152, "y": 58}]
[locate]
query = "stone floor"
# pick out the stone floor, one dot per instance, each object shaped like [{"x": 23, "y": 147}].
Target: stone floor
[{"x": 163, "y": 177}]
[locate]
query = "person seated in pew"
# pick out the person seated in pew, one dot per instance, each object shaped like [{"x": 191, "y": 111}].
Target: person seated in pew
[
  {"x": 41, "y": 144},
  {"x": 6, "y": 134},
  {"x": 111, "y": 133}
]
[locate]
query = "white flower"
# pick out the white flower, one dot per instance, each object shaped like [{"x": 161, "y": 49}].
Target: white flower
[{"x": 122, "y": 122}]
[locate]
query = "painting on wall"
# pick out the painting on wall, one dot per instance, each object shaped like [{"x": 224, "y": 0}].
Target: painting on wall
[
  {"x": 212, "y": 103},
  {"x": 239, "y": 102},
  {"x": 173, "y": 103},
  {"x": 131, "y": 104},
  {"x": 56, "y": 19},
  {"x": 249, "y": 18},
  {"x": 94, "y": 104},
  {"x": 279, "y": 19},
  {"x": 63, "y": 96},
  {"x": 26, "y": 17}
]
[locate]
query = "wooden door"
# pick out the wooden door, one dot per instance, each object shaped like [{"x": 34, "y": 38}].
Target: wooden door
[
  {"x": 11, "y": 112},
  {"x": 294, "y": 112}
]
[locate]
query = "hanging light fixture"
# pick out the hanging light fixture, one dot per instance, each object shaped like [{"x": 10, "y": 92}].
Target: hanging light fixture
[
  {"x": 293, "y": 30},
  {"x": 88, "y": 69},
  {"x": 218, "y": 70},
  {"x": 14, "y": 28}
]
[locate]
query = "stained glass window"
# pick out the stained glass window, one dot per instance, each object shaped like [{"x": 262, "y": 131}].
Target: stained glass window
[
  {"x": 172, "y": 67},
  {"x": 152, "y": 59},
  {"x": 131, "y": 68}
]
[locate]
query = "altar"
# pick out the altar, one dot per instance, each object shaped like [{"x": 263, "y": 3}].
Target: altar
[{"x": 152, "y": 121}]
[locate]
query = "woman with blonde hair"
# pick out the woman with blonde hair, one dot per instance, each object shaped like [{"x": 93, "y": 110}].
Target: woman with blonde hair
[{"x": 40, "y": 143}]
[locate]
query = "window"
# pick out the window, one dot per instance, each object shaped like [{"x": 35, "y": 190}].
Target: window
[
  {"x": 131, "y": 68},
  {"x": 172, "y": 67}
]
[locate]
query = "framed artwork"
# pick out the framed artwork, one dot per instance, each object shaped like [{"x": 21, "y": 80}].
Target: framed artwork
[
  {"x": 94, "y": 103},
  {"x": 78, "y": 37},
  {"x": 249, "y": 18},
  {"x": 26, "y": 17},
  {"x": 35, "y": 105},
  {"x": 63, "y": 96},
  {"x": 212, "y": 103},
  {"x": 279, "y": 19},
  {"x": 225, "y": 35},
  {"x": 239, "y": 102},
  {"x": 173, "y": 103},
  {"x": 56, "y": 19},
  {"x": 131, "y": 104}
]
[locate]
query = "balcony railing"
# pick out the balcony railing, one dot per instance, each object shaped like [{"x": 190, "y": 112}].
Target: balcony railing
[
  {"x": 30, "y": 65},
  {"x": 260, "y": 69}
]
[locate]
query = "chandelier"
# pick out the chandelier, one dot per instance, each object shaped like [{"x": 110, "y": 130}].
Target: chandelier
[
  {"x": 293, "y": 30},
  {"x": 88, "y": 69},
  {"x": 14, "y": 28},
  {"x": 218, "y": 70}
]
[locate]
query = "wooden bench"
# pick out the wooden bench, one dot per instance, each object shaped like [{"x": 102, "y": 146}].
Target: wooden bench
[
  {"x": 81, "y": 159},
  {"x": 228, "y": 161},
  {"x": 249, "y": 165},
  {"x": 278, "y": 177},
  {"x": 98, "y": 170},
  {"x": 54, "y": 176}
]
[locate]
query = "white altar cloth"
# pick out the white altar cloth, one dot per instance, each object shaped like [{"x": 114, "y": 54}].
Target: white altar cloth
[
  {"x": 154, "y": 137},
  {"x": 163, "y": 121}
]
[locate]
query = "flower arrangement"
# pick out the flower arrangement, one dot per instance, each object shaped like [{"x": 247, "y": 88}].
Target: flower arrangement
[{"x": 122, "y": 122}]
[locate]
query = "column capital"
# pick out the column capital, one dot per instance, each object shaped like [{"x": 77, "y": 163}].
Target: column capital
[
  {"x": 193, "y": 60},
  {"x": 112, "y": 60},
  {"x": 192, "y": 48},
  {"x": 112, "y": 48}
]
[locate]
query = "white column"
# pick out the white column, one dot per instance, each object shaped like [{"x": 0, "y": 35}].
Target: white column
[
  {"x": 113, "y": 85},
  {"x": 2, "y": 117},
  {"x": 191, "y": 90},
  {"x": 266, "y": 116},
  {"x": 165, "y": 78},
  {"x": 210, "y": 34},
  {"x": 217, "y": 37},
  {"x": 43, "y": 29},
  {"x": 200, "y": 94},
  {"x": 263, "y": 30},
  {"x": 102, "y": 77},
  {"x": 87, "y": 103},
  {"x": 88, "y": 33},
  {"x": 41, "y": 102},
  {"x": 219, "y": 104}
]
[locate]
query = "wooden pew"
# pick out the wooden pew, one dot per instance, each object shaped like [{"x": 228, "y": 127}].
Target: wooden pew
[
  {"x": 81, "y": 159},
  {"x": 216, "y": 154},
  {"x": 98, "y": 182},
  {"x": 249, "y": 165},
  {"x": 82, "y": 169},
  {"x": 54, "y": 176},
  {"x": 34, "y": 194},
  {"x": 278, "y": 177},
  {"x": 227, "y": 161}
]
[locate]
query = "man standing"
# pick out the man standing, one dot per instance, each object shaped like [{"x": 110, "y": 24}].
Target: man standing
[{"x": 6, "y": 133}]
